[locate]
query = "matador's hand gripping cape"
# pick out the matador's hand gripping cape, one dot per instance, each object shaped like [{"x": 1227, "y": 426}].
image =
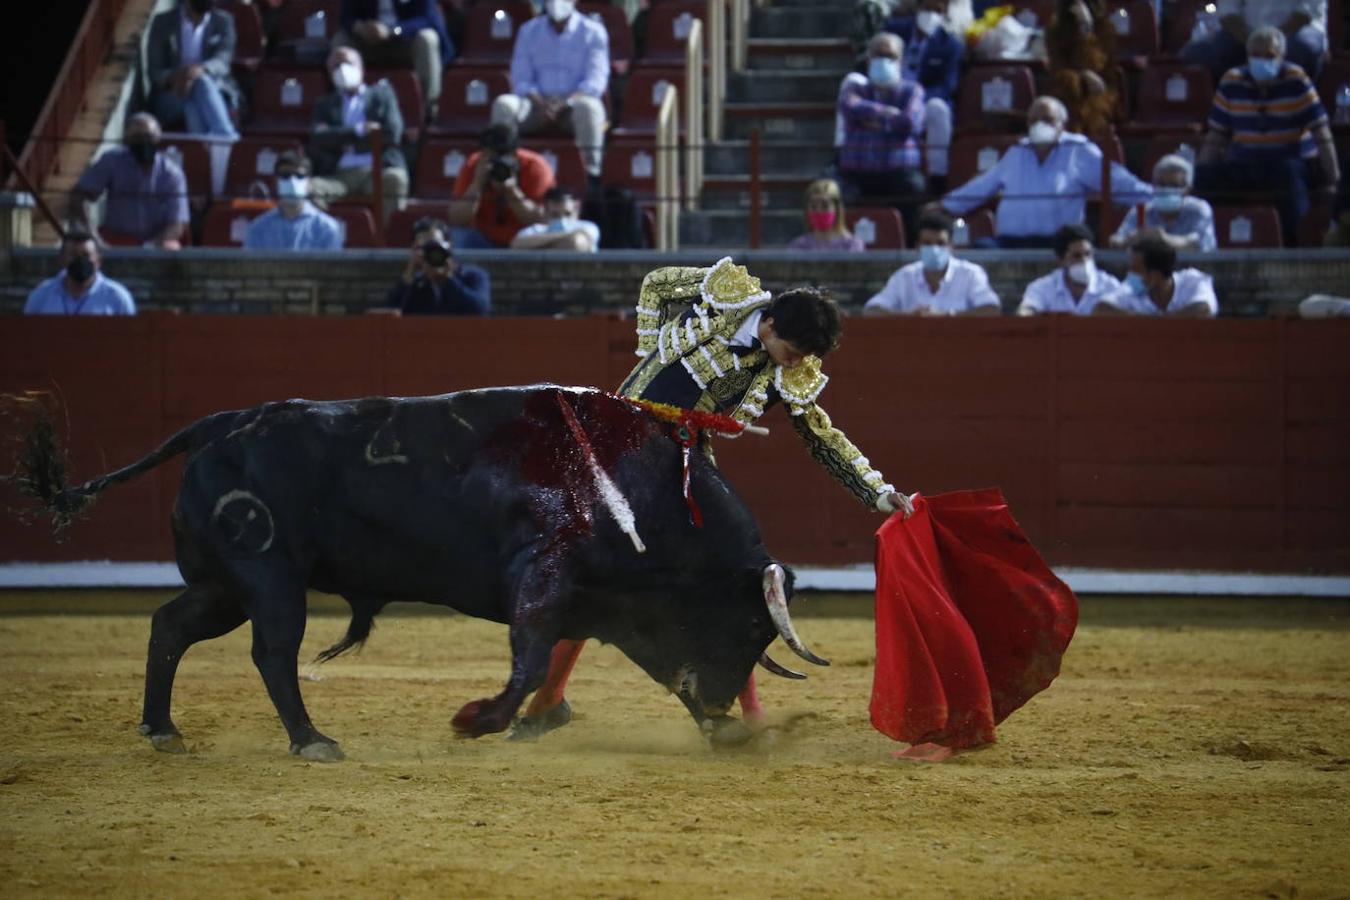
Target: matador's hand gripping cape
[{"x": 686, "y": 319}]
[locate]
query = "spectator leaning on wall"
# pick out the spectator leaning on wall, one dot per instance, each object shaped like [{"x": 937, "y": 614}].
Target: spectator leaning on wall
[
  {"x": 80, "y": 288},
  {"x": 1156, "y": 287},
  {"x": 1076, "y": 285},
  {"x": 146, "y": 191},
  {"x": 938, "y": 284}
]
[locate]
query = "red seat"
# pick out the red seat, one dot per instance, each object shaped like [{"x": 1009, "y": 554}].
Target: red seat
[
  {"x": 194, "y": 158},
  {"x": 225, "y": 224},
  {"x": 1183, "y": 143},
  {"x": 975, "y": 154},
  {"x": 283, "y": 100},
  {"x": 879, "y": 227},
  {"x": 253, "y": 159},
  {"x": 490, "y": 31},
  {"x": 631, "y": 163},
  {"x": 1247, "y": 226},
  {"x": 1178, "y": 24},
  {"x": 1136, "y": 29},
  {"x": 1000, "y": 91},
  {"x": 438, "y": 165},
  {"x": 620, "y": 32},
  {"x": 979, "y": 225},
  {"x": 1335, "y": 75},
  {"x": 399, "y": 230},
  {"x": 1110, "y": 146},
  {"x": 1172, "y": 95},
  {"x": 309, "y": 21},
  {"x": 668, "y": 26},
  {"x": 409, "y": 94},
  {"x": 466, "y": 99},
  {"x": 358, "y": 222},
  {"x": 250, "y": 43},
  {"x": 642, "y": 97},
  {"x": 569, "y": 169}
]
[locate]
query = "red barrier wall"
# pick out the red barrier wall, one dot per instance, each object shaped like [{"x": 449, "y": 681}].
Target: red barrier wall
[{"x": 1138, "y": 444}]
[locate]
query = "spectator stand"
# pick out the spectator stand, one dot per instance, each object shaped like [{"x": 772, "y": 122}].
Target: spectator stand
[
  {"x": 673, "y": 30},
  {"x": 878, "y": 227},
  {"x": 490, "y": 30},
  {"x": 652, "y": 171}
]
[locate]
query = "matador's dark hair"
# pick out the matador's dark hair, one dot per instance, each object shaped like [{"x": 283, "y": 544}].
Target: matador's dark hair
[{"x": 807, "y": 318}]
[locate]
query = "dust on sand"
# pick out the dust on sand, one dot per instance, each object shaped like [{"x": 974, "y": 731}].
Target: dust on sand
[{"x": 1187, "y": 750}]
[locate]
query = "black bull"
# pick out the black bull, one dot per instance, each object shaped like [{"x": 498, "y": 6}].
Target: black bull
[{"x": 491, "y": 502}]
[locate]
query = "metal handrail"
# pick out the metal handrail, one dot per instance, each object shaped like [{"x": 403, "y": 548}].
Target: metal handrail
[
  {"x": 693, "y": 113},
  {"x": 740, "y": 30},
  {"x": 667, "y": 172},
  {"x": 717, "y": 65}
]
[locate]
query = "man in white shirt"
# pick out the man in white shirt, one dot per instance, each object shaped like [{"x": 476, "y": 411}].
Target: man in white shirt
[
  {"x": 1155, "y": 287},
  {"x": 563, "y": 229},
  {"x": 938, "y": 284},
  {"x": 1076, "y": 284}
]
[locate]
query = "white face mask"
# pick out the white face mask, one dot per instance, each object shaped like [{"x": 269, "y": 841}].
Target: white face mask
[
  {"x": 347, "y": 77},
  {"x": 560, "y": 10},
  {"x": 295, "y": 187},
  {"x": 1082, "y": 272},
  {"x": 1042, "y": 133},
  {"x": 928, "y": 21}
]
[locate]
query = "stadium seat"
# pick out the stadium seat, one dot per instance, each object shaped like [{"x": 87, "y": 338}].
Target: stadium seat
[
  {"x": 466, "y": 99},
  {"x": 283, "y": 100},
  {"x": 490, "y": 31},
  {"x": 1335, "y": 76},
  {"x": 253, "y": 159},
  {"x": 306, "y": 28},
  {"x": 409, "y": 94},
  {"x": 438, "y": 166},
  {"x": 642, "y": 96},
  {"x": 620, "y": 32},
  {"x": 979, "y": 225},
  {"x": 668, "y": 27},
  {"x": 1171, "y": 96},
  {"x": 1000, "y": 93},
  {"x": 1247, "y": 226},
  {"x": 974, "y": 154},
  {"x": 358, "y": 222},
  {"x": 631, "y": 163},
  {"x": 569, "y": 170},
  {"x": 1184, "y": 143},
  {"x": 226, "y": 223},
  {"x": 250, "y": 43},
  {"x": 1177, "y": 24},
  {"x": 1136, "y": 27},
  {"x": 878, "y": 227},
  {"x": 193, "y": 155},
  {"x": 399, "y": 231}
]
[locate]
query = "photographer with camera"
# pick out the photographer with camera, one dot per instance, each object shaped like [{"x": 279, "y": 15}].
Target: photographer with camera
[
  {"x": 434, "y": 283},
  {"x": 500, "y": 190}
]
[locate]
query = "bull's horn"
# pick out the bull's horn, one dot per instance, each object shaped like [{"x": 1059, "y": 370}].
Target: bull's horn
[
  {"x": 768, "y": 662},
  {"x": 776, "y": 600}
]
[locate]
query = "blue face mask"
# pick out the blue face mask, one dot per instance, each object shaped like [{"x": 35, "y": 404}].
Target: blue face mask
[
  {"x": 1135, "y": 282},
  {"x": 934, "y": 257},
  {"x": 1168, "y": 200},
  {"x": 1263, "y": 69},
  {"x": 883, "y": 72}
]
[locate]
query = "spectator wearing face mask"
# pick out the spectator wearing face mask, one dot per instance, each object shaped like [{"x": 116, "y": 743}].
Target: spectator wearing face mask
[
  {"x": 883, "y": 119},
  {"x": 80, "y": 289},
  {"x": 147, "y": 201},
  {"x": 295, "y": 223},
  {"x": 1043, "y": 181},
  {"x": 932, "y": 59},
  {"x": 499, "y": 190},
  {"x": 825, "y": 221},
  {"x": 938, "y": 284},
  {"x": 1257, "y": 126},
  {"x": 434, "y": 282},
  {"x": 188, "y": 58},
  {"x": 1302, "y": 23},
  {"x": 1076, "y": 285},
  {"x": 559, "y": 75},
  {"x": 562, "y": 229},
  {"x": 1156, "y": 287},
  {"x": 400, "y": 33},
  {"x": 1185, "y": 222},
  {"x": 340, "y": 140}
]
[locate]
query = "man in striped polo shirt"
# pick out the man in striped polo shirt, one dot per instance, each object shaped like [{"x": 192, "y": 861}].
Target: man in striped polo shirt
[{"x": 1264, "y": 114}]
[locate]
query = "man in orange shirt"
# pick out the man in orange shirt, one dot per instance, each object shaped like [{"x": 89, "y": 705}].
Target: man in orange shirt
[{"x": 499, "y": 190}]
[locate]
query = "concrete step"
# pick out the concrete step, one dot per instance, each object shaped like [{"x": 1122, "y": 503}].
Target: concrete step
[
  {"x": 781, "y": 121},
  {"x": 783, "y": 86},
  {"x": 816, "y": 21},
  {"x": 805, "y": 54},
  {"x": 794, "y": 158},
  {"x": 730, "y": 229},
  {"x": 777, "y": 192}
]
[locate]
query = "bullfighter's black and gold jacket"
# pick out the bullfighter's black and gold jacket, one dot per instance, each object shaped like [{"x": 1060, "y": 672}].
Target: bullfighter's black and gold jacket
[{"x": 686, "y": 319}]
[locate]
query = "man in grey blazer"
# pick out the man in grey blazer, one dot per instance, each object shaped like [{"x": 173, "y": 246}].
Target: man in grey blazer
[
  {"x": 340, "y": 142},
  {"x": 188, "y": 58}
]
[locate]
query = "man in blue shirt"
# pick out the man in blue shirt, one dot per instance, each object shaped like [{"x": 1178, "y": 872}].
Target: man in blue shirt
[
  {"x": 295, "y": 223},
  {"x": 434, "y": 282},
  {"x": 1043, "y": 182},
  {"x": 147, "y": 191},
  {"x": 80, "y": 289},
  {"x": 933, "y": 61},
  {"x": 559, "y": 73}
]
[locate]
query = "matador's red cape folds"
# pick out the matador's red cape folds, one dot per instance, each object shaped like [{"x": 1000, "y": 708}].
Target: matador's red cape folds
[{"x": 971, "y": 622}]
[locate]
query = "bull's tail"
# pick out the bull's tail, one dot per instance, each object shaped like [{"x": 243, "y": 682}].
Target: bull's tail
[
  {"x": 363, "y": 620},
  {"x": 41, "y": 469}
]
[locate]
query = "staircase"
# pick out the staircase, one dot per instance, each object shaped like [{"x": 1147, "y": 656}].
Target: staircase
[{"x": 798, "y": 52}]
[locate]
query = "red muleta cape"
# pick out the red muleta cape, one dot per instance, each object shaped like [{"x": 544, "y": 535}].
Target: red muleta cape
[{"x": 971, "y": 622}]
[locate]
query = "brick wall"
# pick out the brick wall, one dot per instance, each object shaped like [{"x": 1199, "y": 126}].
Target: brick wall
[{"x": 224, "y": 281}]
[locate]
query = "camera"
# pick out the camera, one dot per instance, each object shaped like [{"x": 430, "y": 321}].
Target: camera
[
  {"x": 503, "y": 168},
  {"x": 436, "y": 253}
]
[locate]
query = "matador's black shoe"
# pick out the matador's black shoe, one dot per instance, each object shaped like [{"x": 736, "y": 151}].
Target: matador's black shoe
[{"x": 530, "y": 728}]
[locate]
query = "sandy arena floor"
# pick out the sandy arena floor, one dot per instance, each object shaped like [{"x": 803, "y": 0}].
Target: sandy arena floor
[{"x": 1189, "y": 749}]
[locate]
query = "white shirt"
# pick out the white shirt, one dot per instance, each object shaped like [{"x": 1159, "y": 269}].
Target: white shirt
[
  {"x": 1188, "y": 286},
  {"x": 1050, "y": 293},
  {"x": 964, "y": 286},
  {"x": 591, "y": 229},
  {"x": 749, "y": 330},
  {"x": 190, "y": 40},
  {"x": 354, "y": 117}
]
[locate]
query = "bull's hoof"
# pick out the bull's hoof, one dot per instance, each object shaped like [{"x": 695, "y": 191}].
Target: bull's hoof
[
  {"x": 479, "y": 717},
  {"x": 531, "y": 728},
  {"x": 168, "y": 743},
  {"x": 319, "y": 751},
  {"x": 727, "y": 733}
]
